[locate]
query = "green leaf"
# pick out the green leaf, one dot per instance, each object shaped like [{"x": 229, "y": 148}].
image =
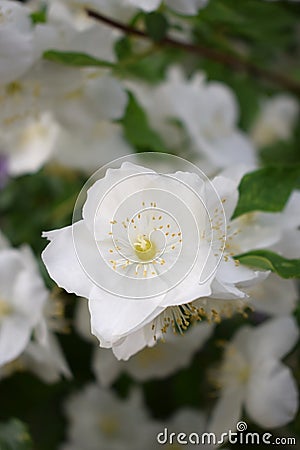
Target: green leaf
[
  {"x": 156, "y": 26},
  {"x": 123, "y": 48},
  {"x": 75, "y": 59},
  {"x": 137, "y": 129},
  {"x": 267, "y": 260},
  {"x": 39, "y": 16},
  {"x": 267, "y": 189},
  {"x": 14, "y": 436}
]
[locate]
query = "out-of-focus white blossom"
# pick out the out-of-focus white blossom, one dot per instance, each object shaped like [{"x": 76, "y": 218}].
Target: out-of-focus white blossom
[
  {"x": 109, "y": 423},
  {"x": 253, "y": 376},
  {"x": 28, "y": 147},
  {"x": 274, "y": 296},
  {"x": 208, "y": 111},
  {"x": 26, "y": 339},
  {"x": 276, "y": 120},
  {"x": 22, "y": 299},
  {"x": 16, "y": 41}
]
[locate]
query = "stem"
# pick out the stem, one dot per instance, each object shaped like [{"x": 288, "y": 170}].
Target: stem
[{"x": 233, "y": 61}]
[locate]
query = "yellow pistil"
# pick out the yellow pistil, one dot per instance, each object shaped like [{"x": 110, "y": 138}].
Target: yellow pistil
[
  {"x": 5, "y": 308},
  {"x": 144, "y": 248},
  {"x": 109, "y": 425}
]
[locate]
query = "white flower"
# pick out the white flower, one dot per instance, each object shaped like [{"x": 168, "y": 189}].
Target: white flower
[
  {"x": 44, "y": 359},
  {"x": 252, "y": 376},
  {"x": 144, "y": 251},
  {"x": 26, "y": 310},
  {"x": 28, "y": 147},
  {"x": 98, "y": 419},
  {"x": 208, "y": 112},
  {"x": 88, "y": 150},
  {"x": 274, "y": 296},
  {"x": 22, "y": 299},
  {"x": 150, "y": 249},
  {"x": 16, "y": 41},
  {"x": 276, "y": 120}
]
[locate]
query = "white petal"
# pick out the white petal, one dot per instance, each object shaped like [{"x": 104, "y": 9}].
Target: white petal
[
  {"x": 114, "y": 317},
  {"x": 105, "y": 366},
  {"x": 146, "y": 5},
  {"x": 61, "y": 260},
  {"x": 165, "y": 358},
  {"x": 227, "y": 411},
  {"x": 272, "y": 396},
  {"x": 83, "y": 320},
  {"x": 274, "y": 338},
  {"x": 132, "y": 344},
  {"x": 274, "y": 296},
  {"x": 227, "y": 192},
  {"x": 14, "y": 336}
]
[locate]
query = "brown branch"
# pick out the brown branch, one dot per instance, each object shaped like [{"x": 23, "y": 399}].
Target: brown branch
[{"x": 227, "y": 59}]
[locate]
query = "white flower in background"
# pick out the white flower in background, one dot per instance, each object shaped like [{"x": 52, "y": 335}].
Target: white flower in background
[
  {"x": 208, "y": 112},
  {"x": 274, "y": 296},
  {"x": 27, "y": 316},
  {"x": 276, "y": 120},
  {"x": 22, "y": 299},
  {"x": 109, "y": 423},
  {"x": 87, "y": 150},
  {"x": 136, "y": 255},
  {"x": 16, "y": 41},
  {"x": 28, "y": 147},
  {"x": 44, "y": 359},
  {"x": 87, "y": 138},
  {"x": 162, "y": 360},
  {"x": 252, "y": 376}
]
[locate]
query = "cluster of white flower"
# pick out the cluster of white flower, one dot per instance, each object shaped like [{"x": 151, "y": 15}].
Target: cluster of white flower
[
  {"x": 27, "y": 341},
  {"x": 153, "y": 253}
]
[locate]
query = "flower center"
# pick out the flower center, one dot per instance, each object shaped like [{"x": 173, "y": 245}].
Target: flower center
[
  {"x": 5, "y": 308},
  {"x": 109, "y": 425},
  {"x": 144, "y": 248}
]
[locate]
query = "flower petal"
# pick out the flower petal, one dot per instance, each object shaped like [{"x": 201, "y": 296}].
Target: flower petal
[
  {"x": 61, "y": 260},
  {"x": 272, "y": 397},
  {"x": 227, "y": 411},
  {"x": 114, "y": 317},
  {"x": 14, "y": 336}
]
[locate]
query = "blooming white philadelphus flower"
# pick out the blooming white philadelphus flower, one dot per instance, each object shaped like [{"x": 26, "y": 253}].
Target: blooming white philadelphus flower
[
  {"x": 98, "y": 419},
  {"x": 276, "y": 120},
  {"x": 16, "y": 41},
  {"x": 144, "y": 251},
  {"x": 22, "y": 299},
  {"x": 252, "y": 376}
]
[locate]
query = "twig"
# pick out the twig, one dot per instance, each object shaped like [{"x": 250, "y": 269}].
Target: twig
[{"x": 227, "y": 59}]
